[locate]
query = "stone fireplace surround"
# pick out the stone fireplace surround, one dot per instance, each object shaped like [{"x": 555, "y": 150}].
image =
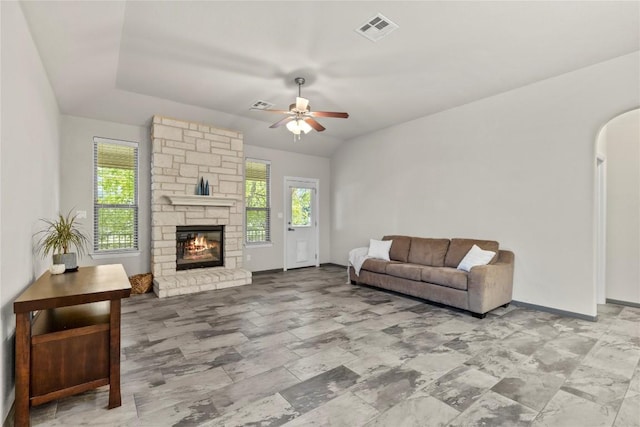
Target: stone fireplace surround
[{"x": 182, "y": 153}]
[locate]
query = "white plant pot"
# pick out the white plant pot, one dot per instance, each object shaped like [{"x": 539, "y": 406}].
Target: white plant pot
[{"x": 69, "y": 260}]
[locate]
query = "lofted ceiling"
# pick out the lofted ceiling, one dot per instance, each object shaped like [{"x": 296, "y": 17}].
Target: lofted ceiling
[{"x": 211, "y": 60}]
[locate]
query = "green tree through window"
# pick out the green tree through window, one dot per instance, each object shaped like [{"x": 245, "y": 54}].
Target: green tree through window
[
  {"x": 301, "y": 207},
  {"x": 115, "y": 195},
  {"x": 257, "y": 198}
]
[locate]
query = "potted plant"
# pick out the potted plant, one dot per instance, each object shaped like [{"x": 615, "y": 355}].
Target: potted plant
[{"x": 58, "y": 237}]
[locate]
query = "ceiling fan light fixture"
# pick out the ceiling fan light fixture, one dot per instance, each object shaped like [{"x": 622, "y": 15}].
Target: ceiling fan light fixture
[
  {"x": 298, "y": 125},
  {"x": 293, "y": 127},
  {"x": 304, "y": 126}
]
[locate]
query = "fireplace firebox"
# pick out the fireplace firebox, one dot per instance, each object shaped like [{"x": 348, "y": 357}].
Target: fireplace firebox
[{"x": 199, "y": 246}]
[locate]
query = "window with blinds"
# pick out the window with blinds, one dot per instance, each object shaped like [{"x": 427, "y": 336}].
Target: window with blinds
[
  {"x": 115, "y": 195},
  {"x": 257, "y": 184}
]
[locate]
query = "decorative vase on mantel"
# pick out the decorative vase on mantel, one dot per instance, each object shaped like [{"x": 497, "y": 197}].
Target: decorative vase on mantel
[{"x": 200, "y": 188}]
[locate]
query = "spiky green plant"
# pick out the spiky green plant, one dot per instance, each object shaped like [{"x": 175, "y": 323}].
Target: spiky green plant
[{"x": 61, "y": 234}]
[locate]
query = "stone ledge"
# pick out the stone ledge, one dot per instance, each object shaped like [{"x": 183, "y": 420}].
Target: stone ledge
[
  {"x": 193, "y": 281},
  {"x": 192, "y": 200}
]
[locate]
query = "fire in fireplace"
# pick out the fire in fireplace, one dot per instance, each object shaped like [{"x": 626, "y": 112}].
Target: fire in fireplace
[{"x": 199, "y": 246}]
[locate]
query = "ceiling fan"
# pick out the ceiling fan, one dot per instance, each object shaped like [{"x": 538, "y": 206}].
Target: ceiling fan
[{"x": 300, "y": 118}]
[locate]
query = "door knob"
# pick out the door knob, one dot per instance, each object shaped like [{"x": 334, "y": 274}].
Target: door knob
[{"x": 291, "y": 229}]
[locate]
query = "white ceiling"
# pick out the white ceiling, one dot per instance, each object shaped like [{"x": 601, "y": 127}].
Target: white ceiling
[{"x": 209, "y": 61}]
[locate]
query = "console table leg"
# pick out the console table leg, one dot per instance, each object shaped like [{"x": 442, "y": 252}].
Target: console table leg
[
  {"x": 23, "y": 362},
  {"x": 114, "y": 357}
]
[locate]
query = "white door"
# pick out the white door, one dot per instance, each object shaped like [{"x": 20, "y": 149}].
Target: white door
[{"x": 301, "y": 223}]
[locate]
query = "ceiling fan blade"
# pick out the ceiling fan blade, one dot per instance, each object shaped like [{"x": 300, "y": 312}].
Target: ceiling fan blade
[
  {"x": 302, "y": 103},
  {"x": 282, "y": 122},
  {"x": 329, "y": 114},
  {"x": 272, "y": 111},
  {"x": 317, "y": 126}
]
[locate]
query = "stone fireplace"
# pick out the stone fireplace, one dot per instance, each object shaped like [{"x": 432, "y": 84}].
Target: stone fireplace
[{"x": 182, "y": 154}]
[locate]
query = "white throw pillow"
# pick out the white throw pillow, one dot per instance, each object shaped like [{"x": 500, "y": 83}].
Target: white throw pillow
[
  {"x": 379, "y": 249},
  {"x": 475, "y": 256}
]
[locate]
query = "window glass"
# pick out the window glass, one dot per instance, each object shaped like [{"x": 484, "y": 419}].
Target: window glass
[
  {"x": 257, "y": 201},
  {"x": 300, "y": 207},
  {"x": 115, "y": 195}
]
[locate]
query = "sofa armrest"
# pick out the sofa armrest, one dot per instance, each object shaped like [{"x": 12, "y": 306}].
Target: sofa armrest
[{"x": 490, "y": 286}]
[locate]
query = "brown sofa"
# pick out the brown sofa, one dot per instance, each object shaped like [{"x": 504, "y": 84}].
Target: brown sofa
[{"x": 426, "y": 268}]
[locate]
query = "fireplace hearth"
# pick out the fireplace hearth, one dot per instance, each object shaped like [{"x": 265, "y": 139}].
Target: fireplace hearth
[{"x": 199, "y": 246}]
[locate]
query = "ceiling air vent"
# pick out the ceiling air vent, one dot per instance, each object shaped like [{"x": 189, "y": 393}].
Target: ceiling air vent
[
  {"x": 261, "y": 105},
  {"x": 376, "y": 27}
]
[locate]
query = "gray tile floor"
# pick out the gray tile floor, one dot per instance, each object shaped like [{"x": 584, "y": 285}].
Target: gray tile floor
[{"x": 303, "y": 348}]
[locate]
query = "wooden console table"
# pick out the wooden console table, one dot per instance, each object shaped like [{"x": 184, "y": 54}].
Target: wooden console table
[{"x": 72, "y": 344}]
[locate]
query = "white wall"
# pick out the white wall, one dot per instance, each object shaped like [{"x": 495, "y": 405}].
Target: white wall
[
  {"x": 3, "y": 385},
  {"x": 76, "y": 182},
  {"x": 29, "y": 172},
  {"x": 296, "y": 165},
  {"x": 516, "y": 167},
  {"x": 622, "y": 136}
]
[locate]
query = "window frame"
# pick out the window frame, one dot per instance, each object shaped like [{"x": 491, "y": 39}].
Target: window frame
[
  {"x": 268, "y": 241},
  {"x": 99, "y": 253}
]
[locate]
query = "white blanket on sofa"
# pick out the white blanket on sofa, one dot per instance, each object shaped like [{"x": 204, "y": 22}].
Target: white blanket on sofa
[{"x": 357, "y": 257}]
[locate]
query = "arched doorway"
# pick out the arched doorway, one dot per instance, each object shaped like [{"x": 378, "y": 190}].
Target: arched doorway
[{"x": 618, "y": 210}]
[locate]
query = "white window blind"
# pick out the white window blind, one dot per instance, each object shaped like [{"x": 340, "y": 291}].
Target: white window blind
[
  {"x": 115, "y": 195},
  {"x": 257, "y": 201}
]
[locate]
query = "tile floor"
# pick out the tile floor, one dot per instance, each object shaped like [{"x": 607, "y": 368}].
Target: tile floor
[{"x": 304, "y": 348}]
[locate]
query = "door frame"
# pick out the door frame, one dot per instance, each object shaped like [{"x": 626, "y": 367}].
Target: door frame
[
  {"x": 601, "y": 229},
  {"x": 316, "y": 209}
]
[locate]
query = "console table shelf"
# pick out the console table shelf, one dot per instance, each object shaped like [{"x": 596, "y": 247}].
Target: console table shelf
[{"x": 72, "y": 343}]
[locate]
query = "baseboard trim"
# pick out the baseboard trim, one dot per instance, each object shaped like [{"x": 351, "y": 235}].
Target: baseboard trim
[
  {"x": 332, "y": 264},
  {"x": 9, "y": 421},
  {"x": 626, "y": 303},
  {"x": 556, "y": 311},
  {"x": 281, "y": 270},
  {"x": 275, "y": 270}
]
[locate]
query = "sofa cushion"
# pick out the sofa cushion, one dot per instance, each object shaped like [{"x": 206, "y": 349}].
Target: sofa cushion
[
  {"x": 429, "y": 252},
  {"x": 399, "y": 248},
  {"x": 376, "y": 265},
  {"x": 445, "y": 276},
  {"x": 458, "y": 248},
  {"x": 406, "y": 271}
]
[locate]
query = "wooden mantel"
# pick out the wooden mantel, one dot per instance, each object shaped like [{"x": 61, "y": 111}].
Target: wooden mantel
[{"x": 193, "y": 200}]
